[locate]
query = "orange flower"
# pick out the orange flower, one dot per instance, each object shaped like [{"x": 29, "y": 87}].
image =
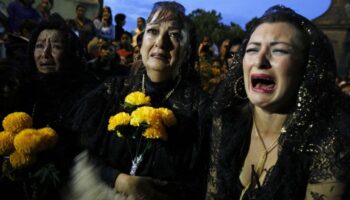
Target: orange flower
[
  {"x": 18, "y": 160},
  {"x": 17, "y": 121},
  {"x": 156, "y": 132},
  {"x": 28, "y": 141},
  {"x": 6, "y": 143}
]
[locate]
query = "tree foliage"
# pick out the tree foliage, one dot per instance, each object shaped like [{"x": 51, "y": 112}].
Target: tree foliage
[{"x": 209, "y": 23}]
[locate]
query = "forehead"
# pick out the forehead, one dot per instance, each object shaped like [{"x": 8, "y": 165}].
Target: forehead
[
  {"x": 163, "y": 15},
  {"x": 276, "y": 31},
  {"x": 235, "y": 48},
  {"x": 171, "y": 24},
  {"x": 50, "y": 34},
  {"x": 81, "y": 9}
]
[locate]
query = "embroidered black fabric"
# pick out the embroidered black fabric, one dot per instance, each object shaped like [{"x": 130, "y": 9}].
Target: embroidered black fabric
[{"x": 314, "y": 146}]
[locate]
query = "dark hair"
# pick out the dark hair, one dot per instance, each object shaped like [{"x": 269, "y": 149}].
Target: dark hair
[
  {"x": 80, "y": 6},
  {"x": 168, "y": 10},
  {"x": 171, "y": 10},
  {"x": 284, "y": 14},
  {"x": 73, "y": 50},
  {"x": 110, "y": 16},
  {"x": 317, "y": 51},
  {"x": 27, "y": 24},
  {"x": 139, "y": 38},
  {"x": 119, "y": 17},
  {"x": 143, "y": 19},
  {"x": 236, "y": 41}
]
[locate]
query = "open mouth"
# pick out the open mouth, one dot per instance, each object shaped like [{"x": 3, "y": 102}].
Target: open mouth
[{"x": 263, "y": 83}]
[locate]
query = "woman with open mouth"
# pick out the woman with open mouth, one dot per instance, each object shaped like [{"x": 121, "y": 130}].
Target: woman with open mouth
[{"x": 281, "y": 127}]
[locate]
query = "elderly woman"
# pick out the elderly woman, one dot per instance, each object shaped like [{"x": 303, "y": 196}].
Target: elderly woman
[
  {"x": 55, "y": 79},
  {"x": 175, "y": 168},
  {"x": 284, "y": 124},
  {"x": 54, "y": 83}
]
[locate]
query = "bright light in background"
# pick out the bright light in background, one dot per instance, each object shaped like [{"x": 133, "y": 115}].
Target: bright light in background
[{"x": 237, "y": 11}]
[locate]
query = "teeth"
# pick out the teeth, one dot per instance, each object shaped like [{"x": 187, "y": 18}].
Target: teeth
[{"x": 263, "y": 81}]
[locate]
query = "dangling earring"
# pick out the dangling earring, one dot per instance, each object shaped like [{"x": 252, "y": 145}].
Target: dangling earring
[{"x": 239, "y": 89}]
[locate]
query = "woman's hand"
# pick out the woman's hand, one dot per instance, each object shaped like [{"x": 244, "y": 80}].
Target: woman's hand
[{"x": 140, "y": 188}]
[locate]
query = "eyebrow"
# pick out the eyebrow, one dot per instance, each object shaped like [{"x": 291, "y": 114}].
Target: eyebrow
[
  {"x": 174, "y": 25},
  {"x": 272, "y": 43}
]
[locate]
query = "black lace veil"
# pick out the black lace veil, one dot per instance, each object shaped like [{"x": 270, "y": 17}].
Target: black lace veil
[{"x": 318, "y": 100}]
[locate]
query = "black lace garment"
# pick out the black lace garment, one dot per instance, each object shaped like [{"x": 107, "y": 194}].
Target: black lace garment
[
  {"x": 181, "y": 160},
  {"x": 314, "y": 147}
]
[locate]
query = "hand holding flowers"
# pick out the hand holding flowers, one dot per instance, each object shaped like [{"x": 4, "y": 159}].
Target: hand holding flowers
[{"x": 144, "y": 124}]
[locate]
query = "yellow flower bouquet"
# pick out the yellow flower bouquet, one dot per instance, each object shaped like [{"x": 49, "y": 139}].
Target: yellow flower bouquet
[
  {"x": 142, "y": 124},
  {"x": 20, "y": 144}
]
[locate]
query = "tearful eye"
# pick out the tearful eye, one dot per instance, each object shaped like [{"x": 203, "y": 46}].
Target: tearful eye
[
  {"x": 280, "y": 51},
  {"x": 175, "y": 35},
  {"x": 39, "y": 46},
  {"x": 251, "y": 50},
  {"x": 57, "y": 46},
  {"x": 152, "y": 31}
]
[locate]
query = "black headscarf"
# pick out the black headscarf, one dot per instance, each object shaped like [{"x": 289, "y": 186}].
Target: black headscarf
[
  {"x": 73, "y": 51},
  {"x": 318, "y": 108}
]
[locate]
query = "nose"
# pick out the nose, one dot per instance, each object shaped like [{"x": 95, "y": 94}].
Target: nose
[
  {"x": 47, "y": 49},
  {"x": 163, "y": 41},
  {"x": 263, "y": 60}
]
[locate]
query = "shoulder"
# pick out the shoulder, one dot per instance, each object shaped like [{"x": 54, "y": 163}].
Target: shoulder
[{"x": 330, "y": 150}]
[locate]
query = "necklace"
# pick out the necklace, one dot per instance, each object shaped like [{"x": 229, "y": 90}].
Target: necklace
[
  {"x": 267, "y": 150},
  {"x": 168, "y": 94},
  {"x": 262, "y": 160}
]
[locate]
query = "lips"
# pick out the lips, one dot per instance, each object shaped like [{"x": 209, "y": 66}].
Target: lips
[
  {"x": 160, "y": 56},
  {"x": 263, "y": 83}
]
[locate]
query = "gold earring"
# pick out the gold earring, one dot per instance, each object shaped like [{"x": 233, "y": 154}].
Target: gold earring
[{"x": 237, "y": 89}]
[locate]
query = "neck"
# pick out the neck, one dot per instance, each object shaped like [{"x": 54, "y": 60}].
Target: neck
[
  {"x": 158, "y": 77},
  {"x": 269, "y": 124}
]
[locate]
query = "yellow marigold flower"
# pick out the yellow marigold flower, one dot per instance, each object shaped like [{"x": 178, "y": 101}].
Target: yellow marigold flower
[
  {"x": 168, "y": 116},
  {"x": 145, "y": 114},
  {"x": 17, "y": 121},
  {"x": 215, "y": 71},
  {"x": 138, "y": 99},
  {"x": 155, "y": 132},
  {"x": 6, "y": 143},
  {"x": 28, "y": 141},
  {"x": 49, "y": 138},
  {"x": 18, "y": 160},
  {"x": 119, "y": 119}
]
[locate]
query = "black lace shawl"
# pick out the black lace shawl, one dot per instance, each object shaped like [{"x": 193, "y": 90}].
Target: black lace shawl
[
  {"x": 182, "y": 160},
  {"x": 314, "y": 145}
]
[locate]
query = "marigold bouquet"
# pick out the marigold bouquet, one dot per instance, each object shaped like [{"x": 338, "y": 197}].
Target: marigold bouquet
[
  {"x": 20, "y": 144},
  {"x": 143, "y": 123}
]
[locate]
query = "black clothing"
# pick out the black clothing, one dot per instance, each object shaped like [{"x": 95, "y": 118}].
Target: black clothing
[
  {"x": 325, "y": 157},
  {"x": 314, "y": 143},
  {"x": 181, "y": 160},
  {"x": 48, "y": 99},
  {"x": 102, "y": 71}
]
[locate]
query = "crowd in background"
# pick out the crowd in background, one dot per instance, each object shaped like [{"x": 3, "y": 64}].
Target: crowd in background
[{"x": 109, "y": 49}]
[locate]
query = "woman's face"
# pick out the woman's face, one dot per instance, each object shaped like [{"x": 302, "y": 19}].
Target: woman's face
[
  {"x": 105, "y": 13},
  {"x": 164, "y": 48},
  {"x": 272, "y": 66},
  {"x": 48, "y": 51},
  {"x": 232, "y": 52}
]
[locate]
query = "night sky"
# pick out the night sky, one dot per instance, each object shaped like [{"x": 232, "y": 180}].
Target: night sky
[{"x": 238, "y": 11}]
